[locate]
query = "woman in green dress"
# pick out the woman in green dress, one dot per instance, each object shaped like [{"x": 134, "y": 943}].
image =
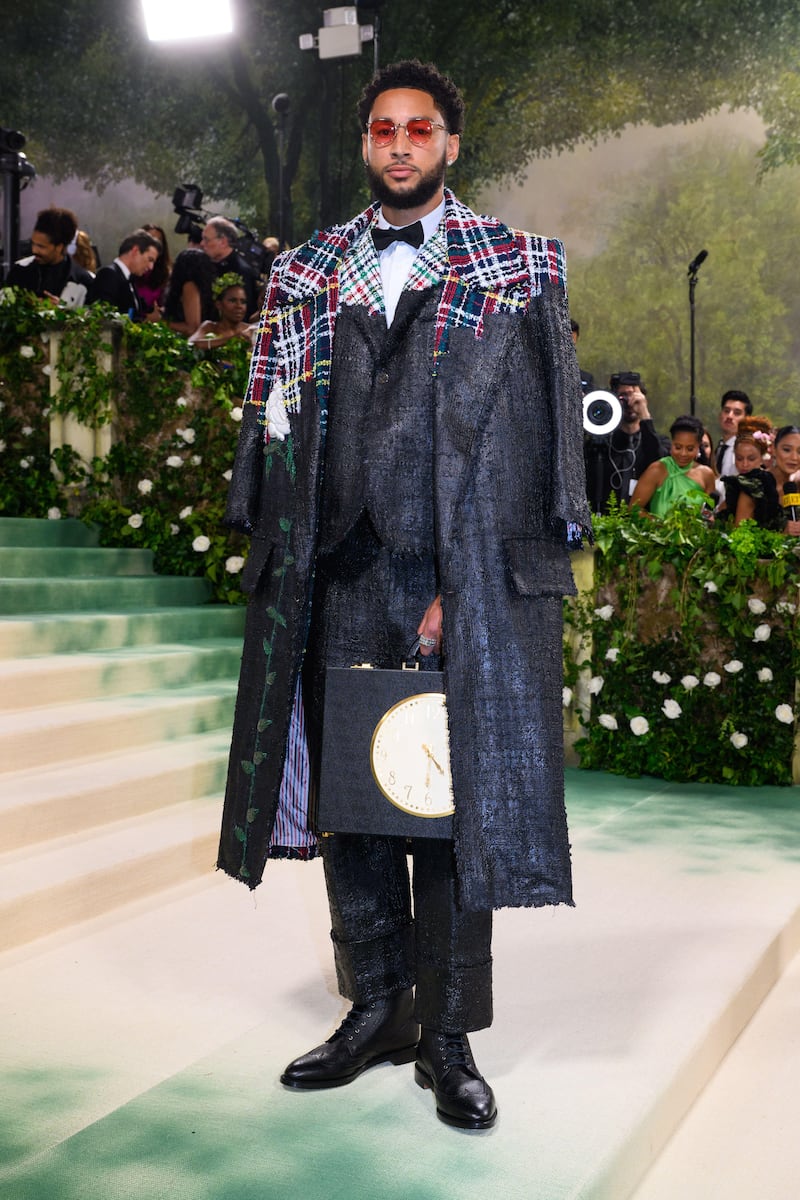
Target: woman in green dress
[{"x": 679, "y": 478}]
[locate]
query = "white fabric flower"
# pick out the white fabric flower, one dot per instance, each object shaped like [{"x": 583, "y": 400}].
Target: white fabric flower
[
  {"x": 605, "y": 613},
  {"x": 185, "y": 512},
  {"x": 756, "y": 606},
  {"x": 54, "y": 514},
  {"x": 228, "y": 475},
  {"x": 174, "y": 460},
  {"x": 237, "y": 413},
  {"x": 733, "y": 667},
  {"x": 671, "y": 709},
  {"x": 188, "y": 435},
  {"x": 689, "y": 682},
  {"x": 761, "y": 633},
  {"x": 201, "y": 543},
  {"x": 27, "y": 351},
  {"x": 738, "y": 740},
  {"x": 764, "y": 675},
  {"x": 277, "y": 417},
  {"x": 135, "y": 520},
  {"x": 234, "y": 564},
  {"x": 566, "y": 696},
  {"x": 639, "y": 726},
  {"x": 784, "y": 714},
  {"x": 608, "y": 721},
  {"x": 595, "y": 685},
  {"x": 661, "y": 677},
  {"x": 613, "y": 654},
  {"x": 712, "y": 679},
  {"x": 145, "y": 486},
  {"x": 710, "y": 586}
]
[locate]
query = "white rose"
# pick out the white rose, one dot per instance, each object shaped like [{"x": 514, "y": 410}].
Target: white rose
[
  {"x": 733, "y": 667},
  {"x": 639, "y": 726},
  {"x": 566, "y": 696},
  {"x": 174, "y": 460},
  {"x": 181, "y": 402},
  {"x": 764, "y": 675},
  {"x": 185, "y": 512},
  {"x": 173, "y": 528},
  {"x": 24, "y": 463},
  {"x": 605, "y": 613},
  {"x": 54, "y": 514},
  {"x": 689, "y": 682},
  {"x": 188, "y": 435},
  {"x": 608, "y": 721},
  {"x": 201, "y": 543},
  {"x": 671, "y": 709},
  {"x": 135, "y": 520},
  {"x": 595, "y": 685},
  {"x": 2, "y": 446},
  {"x": 48, "y": 370},
  {"x": 227, "y": 475},
  {"x": 784, "y": 713},
  {"x": 613, "y": 654},
  {"x": 712, "y": 679},
  {"x": 738, "y": 740},
  {"x": 785, "y": 606},
  {"x": 761, "y": 633},
  {"x": 710, "y": 586},
  {"x": 277, "y": 417},
  {"x": 661, "y": 677},
  {"x": 237, "y": 413},
  {"x": 26, "y": 430},
  {"x": 26, "y": 351},
  {"x": 756, "y": 606},
  {"x": 145, "y": 486},
  {"x": 196, "y": 460},
  {"x": 234, "y": 564}
]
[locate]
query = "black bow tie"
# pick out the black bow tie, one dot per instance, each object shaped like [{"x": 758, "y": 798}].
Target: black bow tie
[{"x": 413, "y": 234}]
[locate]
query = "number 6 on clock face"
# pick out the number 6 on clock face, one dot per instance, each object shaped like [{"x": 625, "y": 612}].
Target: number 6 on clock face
[{"x": 410, "y": 756}]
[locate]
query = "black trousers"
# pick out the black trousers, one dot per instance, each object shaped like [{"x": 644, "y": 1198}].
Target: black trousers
[{"x": 368, "y": 603}]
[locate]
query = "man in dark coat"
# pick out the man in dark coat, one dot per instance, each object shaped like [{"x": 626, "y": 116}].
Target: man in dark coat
[
  {"x": 436, "y": 383},
  {"x": 114, "y": 284},
  {"x": 49, "y": 271}
]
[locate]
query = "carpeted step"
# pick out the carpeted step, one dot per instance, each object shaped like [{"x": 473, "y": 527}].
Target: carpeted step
[
  {"x": 65, "y": 732},
  {"x": 69, "y": 678},
  {"x": 36, "y": 562},
  {"x": 33, "y": 531},
  {"x": 48, "y": 889},
  {"x": 61, "y": 633},
  {"x": 62, "y": 800},
  {"x": 79, "y": 595}
]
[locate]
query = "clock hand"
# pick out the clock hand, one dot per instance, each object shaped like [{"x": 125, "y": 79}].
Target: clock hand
[{"x": 432, "y": 759}]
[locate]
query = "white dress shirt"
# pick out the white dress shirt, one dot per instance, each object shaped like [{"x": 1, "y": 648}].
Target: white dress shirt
[{"x": 397, "y": 259}]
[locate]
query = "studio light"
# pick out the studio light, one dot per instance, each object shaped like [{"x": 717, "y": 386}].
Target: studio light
[{"x": 178, "y": 20}]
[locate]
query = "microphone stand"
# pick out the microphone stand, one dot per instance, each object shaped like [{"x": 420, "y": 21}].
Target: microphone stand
[{"x": 694, "y": 267}]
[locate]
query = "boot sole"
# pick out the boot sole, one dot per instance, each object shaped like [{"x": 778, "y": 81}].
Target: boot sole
[
  {"x": 423, "y": 1080},
  {"x": 397, "y": 1058}
]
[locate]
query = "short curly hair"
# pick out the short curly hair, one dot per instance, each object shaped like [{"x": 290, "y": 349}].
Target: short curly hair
[{"x": 422, "y": 77}]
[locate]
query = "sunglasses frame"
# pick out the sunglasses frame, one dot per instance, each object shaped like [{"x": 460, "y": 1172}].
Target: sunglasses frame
[{"x": 397, "y": 126}]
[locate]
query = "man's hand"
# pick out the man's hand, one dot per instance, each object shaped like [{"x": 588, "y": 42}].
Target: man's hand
[{"x": 431, "y": 627}]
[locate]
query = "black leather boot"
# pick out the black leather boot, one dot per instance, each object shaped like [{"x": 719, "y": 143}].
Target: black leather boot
[
  {"x": 384, "y": 1031},
  {"x": 445, "y": 1064}
]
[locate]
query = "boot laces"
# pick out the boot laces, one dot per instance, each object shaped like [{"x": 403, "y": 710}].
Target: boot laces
[
  {"x": 455, "y": 1050},
  {"x": 354, "y": 1021}
]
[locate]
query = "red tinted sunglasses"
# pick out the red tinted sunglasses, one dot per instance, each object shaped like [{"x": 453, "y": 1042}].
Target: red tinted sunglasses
[{"x": 419, "y": 130}]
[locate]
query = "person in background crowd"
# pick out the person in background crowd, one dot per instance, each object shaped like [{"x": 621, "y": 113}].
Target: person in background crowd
[
  {"x": 189, "y": 300},
  {"x": 219, "y": 240},
  {"x": 49, "y": 271},
  {"x": 615, "y": 461},
  {"x": 231, "y": 301},
  {"x": 733, "y": 406},
  {"x": 751, "y": 492},
  {"x": 114, "y": 284},
  {"x": 152, "y": 286},
  {"x": 705, "y": 455},
  {"x": 84, "y": 252},
  {"x": 677, "y": 478},
  {"x": 785, "y": 475}
]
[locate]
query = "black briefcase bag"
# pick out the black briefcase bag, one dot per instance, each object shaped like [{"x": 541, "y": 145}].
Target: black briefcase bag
[{"x": 385, "y": 766}]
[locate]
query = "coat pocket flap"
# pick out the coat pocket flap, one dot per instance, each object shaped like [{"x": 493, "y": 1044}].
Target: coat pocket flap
[{"x": 539, "y": 567}]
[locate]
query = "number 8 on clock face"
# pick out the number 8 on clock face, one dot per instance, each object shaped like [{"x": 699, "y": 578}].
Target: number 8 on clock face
[{"x": 410, "y": 756}]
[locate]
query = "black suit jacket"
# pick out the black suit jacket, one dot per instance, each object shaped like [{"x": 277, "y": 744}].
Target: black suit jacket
[{"x": 110, "y": 285}]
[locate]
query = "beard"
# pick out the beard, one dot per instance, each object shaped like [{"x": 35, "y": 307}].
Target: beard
[{"x": 423, "y": 190}]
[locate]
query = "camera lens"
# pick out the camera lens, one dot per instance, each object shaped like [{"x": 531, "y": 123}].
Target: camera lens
[{"x": 599, "y": 412}]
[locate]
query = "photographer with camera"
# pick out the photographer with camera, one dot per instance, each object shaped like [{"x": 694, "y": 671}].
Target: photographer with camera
[
  {"x": 219, "y": 240},
  {"x": 618, "y": 450}
]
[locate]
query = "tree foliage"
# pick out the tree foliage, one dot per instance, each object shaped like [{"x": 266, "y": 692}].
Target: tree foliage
[{"x": 97, "y": 100}]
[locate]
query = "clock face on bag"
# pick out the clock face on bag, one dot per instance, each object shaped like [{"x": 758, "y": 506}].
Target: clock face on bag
[{"x": 410, "y": 756}]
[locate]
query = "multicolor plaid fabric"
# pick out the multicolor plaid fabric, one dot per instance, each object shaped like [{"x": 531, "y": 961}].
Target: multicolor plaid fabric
[{"x": 484, "y": 266}]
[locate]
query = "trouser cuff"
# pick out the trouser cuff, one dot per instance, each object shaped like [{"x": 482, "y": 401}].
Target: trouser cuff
[
  {"x": 454, "y": 999},
  {"x": 368, "y": 970}
]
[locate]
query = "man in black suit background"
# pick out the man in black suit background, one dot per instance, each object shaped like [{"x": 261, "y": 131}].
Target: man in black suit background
[
  {"x": 114, "y": 284},
  {"x": 49, "y": 270},
  {"x": 219, "y": 240}
]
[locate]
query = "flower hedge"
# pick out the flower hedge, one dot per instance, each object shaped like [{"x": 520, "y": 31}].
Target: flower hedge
[
  {"x": 688, "y": 651},
  {"x": 174, "y": 413}
]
